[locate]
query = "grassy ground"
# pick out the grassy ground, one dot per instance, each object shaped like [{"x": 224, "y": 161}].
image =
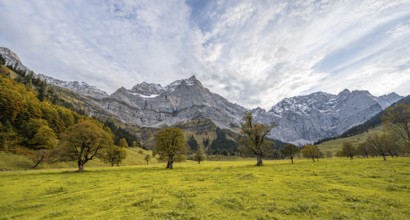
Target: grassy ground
[
  {"x": 336, "y": 145},
  {"x": 329, "y": 189}
]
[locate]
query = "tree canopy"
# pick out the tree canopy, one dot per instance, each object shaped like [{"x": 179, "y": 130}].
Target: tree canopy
[
  {"x": 199, "y": 155},
  {"x": 398, "y": 119},
  {"x": 289, "y": 150},
  {"x": 311, "y": 151},
  {"x": 85, "y": 141},
  {"x": 170, "y": 145}
]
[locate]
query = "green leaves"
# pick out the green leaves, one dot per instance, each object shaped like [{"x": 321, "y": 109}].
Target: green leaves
[{"x": 171, "y": 145}]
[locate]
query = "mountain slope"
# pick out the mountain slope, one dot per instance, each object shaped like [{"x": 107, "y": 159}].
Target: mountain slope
[
  {"x": 305, "y": 119},
  {"x": 372, "y": 122},
  {"x": 154, "y": 106}
]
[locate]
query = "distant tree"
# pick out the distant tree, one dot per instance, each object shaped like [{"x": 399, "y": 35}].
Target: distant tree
[
  {"x": 311, "y": 151},
  {"x": 199, "y": 155},
  {"x": 114, "y": 155},
  {"x": 123, "y": 143},
  {"x": 12, "y": 102},
  {"x": 134, "y": 144},
  {"x": 378, "y": 144},
  {"x": 254, "y": 134},
  {"x": 171, "y": 146},
  {"x": 329, "y": 154},
  {"x": 40, "y": 156},
  {"x": 45, "y": 138},
  {"x": 398, "y": 118},
  {"x": 348, "y": 150},
  {"x": 9, "y": 137},
  {"x": 289, "y": 151},
  {"x": 363, "y": 149},
  {"x": 2, "y": 61},
  {"x": 42, "y": 92},
  {"x": 192, "y": 143},
  {"x": 147, "y": 158},
  {"x": 83, "y": 142},
  {"x": 205, "y": 142}
]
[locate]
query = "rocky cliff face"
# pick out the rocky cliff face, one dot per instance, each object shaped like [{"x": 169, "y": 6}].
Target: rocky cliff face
[
  {"x": 153, "y": 105},
  {"x": 305, "y": 119},
  {"x": 80, "y": 87},
  {"x": 12, "y": 59}
]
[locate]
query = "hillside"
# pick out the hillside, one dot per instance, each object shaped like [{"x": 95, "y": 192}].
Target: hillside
[
  {"x": 336, "y": 144},
  {"x": 372, "y": 122}
]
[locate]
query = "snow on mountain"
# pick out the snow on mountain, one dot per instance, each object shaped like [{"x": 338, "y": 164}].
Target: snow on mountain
[
  {"x": 153, "y": 105},
  {"x": 12, "y": 59},
  {"x": 80, "y": 87},
  {"x": 305, "y": 119}
]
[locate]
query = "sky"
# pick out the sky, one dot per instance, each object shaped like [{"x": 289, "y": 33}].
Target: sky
[{"x": 252, "y": 52}]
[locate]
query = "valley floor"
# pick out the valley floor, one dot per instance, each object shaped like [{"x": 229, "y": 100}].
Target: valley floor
[{"x": 329, "y": 189}]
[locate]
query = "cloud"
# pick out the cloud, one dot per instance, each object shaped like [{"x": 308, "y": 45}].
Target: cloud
[{"x": 254, "y": 53}]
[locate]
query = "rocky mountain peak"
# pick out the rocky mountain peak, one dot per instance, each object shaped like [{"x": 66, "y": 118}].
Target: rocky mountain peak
[
  {"x": 12, "y": 59},
  {"x": 147, "y": 89},
  {"x": 192, "y": 81}
]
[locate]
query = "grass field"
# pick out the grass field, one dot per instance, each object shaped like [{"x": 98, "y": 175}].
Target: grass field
[{"x": 329, "y": 189}]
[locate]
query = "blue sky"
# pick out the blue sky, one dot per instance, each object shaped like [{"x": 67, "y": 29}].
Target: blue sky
[{"x": 254, "y": 53}]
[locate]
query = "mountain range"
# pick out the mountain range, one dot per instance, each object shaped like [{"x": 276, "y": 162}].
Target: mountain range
[{"x": 300, "y": 119}]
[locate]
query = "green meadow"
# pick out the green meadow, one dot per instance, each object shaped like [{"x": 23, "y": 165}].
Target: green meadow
[{"x": 328, "y": 189}]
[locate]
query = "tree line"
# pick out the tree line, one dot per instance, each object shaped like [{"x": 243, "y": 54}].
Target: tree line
[{"x": 393, "y": 141}]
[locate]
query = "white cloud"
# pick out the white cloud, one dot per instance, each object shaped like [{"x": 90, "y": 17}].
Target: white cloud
[{"x": 254, "y": 53}]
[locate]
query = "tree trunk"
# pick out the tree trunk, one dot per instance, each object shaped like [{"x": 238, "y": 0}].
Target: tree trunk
[
  {"x": 384, "y": 157},
  {"x": 170, "y": 164},
  {"x": 199, "y": 161},
  {"x": 39, "y": 161},
  {"x": 259, "y": 160},
  {"x": 80, "y": 166},
  {"x": 313, "y": 158},
  {"x": 291, "y": 158}
]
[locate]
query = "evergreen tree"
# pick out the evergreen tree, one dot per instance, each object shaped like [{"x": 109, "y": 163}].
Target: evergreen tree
[
  {"x": 221, "y": 145},
  {"x": 192, "y": 143}
]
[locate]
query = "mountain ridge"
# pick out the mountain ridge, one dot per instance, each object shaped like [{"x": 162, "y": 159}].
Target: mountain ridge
[{"x": 301, "y": 119}]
